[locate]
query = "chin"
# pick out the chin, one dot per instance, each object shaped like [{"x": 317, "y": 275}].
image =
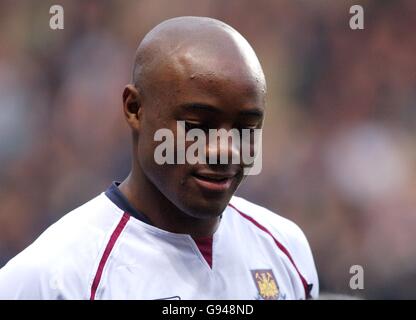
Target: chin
[{"x": 206, "y": 209}]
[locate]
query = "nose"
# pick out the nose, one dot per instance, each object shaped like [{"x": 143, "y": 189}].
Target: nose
[{"x": 224, "y": 147}]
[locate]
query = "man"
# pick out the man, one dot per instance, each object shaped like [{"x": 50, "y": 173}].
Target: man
[{"x": 175, "y": 231}]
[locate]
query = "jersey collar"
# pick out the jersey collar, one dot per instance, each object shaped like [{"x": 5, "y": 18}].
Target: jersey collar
[{"x": 117, "y": 197}]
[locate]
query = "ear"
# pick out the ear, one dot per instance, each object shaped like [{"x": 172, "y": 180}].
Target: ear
[{"x": 132, "y": 106}]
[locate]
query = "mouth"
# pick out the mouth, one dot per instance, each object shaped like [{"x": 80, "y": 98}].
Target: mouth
[{"x": 214, "y": 182}]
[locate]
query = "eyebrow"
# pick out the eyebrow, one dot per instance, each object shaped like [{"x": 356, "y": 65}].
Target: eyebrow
[
  {"x": 209, "y": 108},
  {"x": 253, "y": 112},
  {"x": 200, "y": 106}
]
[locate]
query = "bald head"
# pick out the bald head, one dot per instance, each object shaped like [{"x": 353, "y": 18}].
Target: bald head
[
  {"x": 203, "y": 74},
  {"x": 194, "y": 47}
]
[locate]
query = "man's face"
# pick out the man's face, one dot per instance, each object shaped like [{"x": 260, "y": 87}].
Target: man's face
[{"x": 191, "y": 91}]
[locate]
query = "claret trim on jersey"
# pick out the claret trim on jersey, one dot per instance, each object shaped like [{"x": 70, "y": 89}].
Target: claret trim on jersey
[
  {"x": 113, "y": 239},
  {"x": 306, "y": 286}
]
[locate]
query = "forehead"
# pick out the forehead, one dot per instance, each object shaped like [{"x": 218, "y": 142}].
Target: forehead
[{"x": 220, "y": 77}]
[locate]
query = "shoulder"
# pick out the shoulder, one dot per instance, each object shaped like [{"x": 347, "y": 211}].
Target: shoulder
[
  {"x": 286, "y": 230},
  {"x": 60, "y": 262},
  {"x": 287, "y": 235}
]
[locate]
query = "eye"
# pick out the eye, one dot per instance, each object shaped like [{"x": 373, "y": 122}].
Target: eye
[
  {"x": 249, "y": 129},
  {"x": 195, "y": 125}
]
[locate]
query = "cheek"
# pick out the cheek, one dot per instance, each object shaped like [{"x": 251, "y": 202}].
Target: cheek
[{"x": 168, "y": 178}]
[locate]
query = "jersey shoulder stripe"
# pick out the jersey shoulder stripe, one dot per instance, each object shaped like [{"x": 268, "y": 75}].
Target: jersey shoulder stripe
[
  {"x": 287, "y": 236},
  {"x": 306, "y": 286},
  {"x": 113, "y": 239}
]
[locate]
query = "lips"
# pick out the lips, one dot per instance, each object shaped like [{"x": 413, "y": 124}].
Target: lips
[{"x": 214, "y": 181}]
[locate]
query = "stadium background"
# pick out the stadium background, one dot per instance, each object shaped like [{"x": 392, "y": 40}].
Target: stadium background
[{"x": 339, "y": 153}]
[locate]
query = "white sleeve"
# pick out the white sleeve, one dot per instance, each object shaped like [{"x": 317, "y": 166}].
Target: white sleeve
[
  {"x": 25, "y": 279},
  {"x": 292, "y": 237},
  {"x": 305, "y": 262},
  {"x": 41, "y": 273},
  {"x": 297, "y": 244}
]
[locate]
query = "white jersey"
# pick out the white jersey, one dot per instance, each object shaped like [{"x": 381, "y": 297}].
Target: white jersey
[{"x": 107, "y": 250}]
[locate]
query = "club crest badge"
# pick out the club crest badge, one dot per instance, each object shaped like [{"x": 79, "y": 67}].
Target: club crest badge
[{"x": 266, "y": 284}]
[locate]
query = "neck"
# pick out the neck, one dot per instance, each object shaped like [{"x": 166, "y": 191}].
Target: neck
[{"x": 163, "y": 214}]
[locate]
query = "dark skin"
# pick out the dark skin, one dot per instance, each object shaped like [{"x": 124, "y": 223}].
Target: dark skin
[{"x": 203, "y": 72}]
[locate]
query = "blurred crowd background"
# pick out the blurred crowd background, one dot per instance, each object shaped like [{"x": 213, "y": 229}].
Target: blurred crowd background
[{"x": 339, "y": 154}]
